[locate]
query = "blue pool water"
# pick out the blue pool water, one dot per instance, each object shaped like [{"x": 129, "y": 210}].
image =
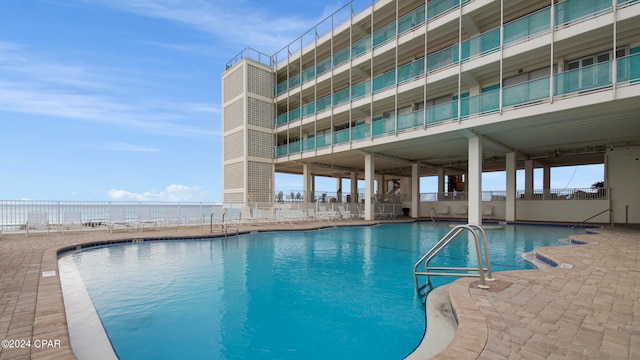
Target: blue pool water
[{"x": 324, "y": 294}]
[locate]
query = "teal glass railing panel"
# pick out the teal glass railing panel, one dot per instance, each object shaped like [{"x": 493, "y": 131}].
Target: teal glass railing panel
[
  {"x": 342, "y": 136},
  {"x": 323, "y": 140},
  {"x": 361, "y": 89},
  {"x": 588, "y": 77},
  {"x": 411, "y": 120},
  {"x": 308, "y": 144},
  {"x": 411, "y": 20},
  {"x": 384, "y": 126},
  {"x": 323, "y": 66},
  {"x": 629, "y": 68},
  {"x": 294, "y": 114},
  {"x": 526, "y": 92},
  {"x": 384, "y": 81},
  {"x": 362, "y": 131},
  {"x": 439, "y": 7},
  {"x": 308, "y": 109},
  {"x": 308, "y": 74},
  {"x": 282, "y": 119},
  {"x": 481, "y": 44},
  {"x": 282, "y": 87},
  {"x": 294, "y": 147},
  {"x": 341, "y": 56},
  {"x": 384, "y": 34},
  {"x": 411, "y": 70},
  {"x": 341, "y": 96},
  {"x": 480, "y": 104},
  {"x": 527, "y": 26},
  {"x": 442, "y": 112},
  {"x": 361, "y": 46},
  {"x": 323, "y": 104},
  {"x": 445, "y": 57},
  {"x": 571, "y": 10},
  {"x": 294, "y": 81},
  {"x": 282, "y": 150}
]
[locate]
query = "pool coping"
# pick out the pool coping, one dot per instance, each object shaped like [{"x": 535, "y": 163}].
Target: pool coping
[{"x": 50, "y": 320}]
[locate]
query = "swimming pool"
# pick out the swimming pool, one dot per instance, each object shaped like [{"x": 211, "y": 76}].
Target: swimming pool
[{"x": 331, "y": 293}]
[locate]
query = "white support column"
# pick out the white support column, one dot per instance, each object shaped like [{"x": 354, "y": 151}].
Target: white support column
[
  {"x": 528, "y": 179},
  {"x": 415, "y": 191},
  {"x": 369, "y": 177},
  {"x": 440, "y": 182},
  {"x": 475, "y": 180},
  {"x": 546, "y": 181},
  {"x": 354, "y": 187},
  {"x": 511, "y": 187},
  {"x": 306, "y": 182}
]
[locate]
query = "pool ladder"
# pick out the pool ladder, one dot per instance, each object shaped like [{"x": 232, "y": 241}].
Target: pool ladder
[
  {"x": 223, "y": 225},
  {"x": 429, "y": 271}
]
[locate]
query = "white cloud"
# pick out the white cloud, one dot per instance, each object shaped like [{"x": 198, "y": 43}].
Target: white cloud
[{"x": 170, "y": 193}]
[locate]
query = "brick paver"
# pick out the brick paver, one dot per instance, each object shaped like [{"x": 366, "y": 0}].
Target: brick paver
[{"x": 590, "y": 311}]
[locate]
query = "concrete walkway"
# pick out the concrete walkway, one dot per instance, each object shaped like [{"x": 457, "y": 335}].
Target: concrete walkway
[{"x": 588, "y": 311}]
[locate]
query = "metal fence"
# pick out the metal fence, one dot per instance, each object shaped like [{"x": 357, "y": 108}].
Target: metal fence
[{"x": 541, "y": 194}]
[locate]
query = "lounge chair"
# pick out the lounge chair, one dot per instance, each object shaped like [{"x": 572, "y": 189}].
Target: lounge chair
[
  {"x": 71, "y": 220},
  {"x": 442, "y": 210},
  {"x": 345, "y": 214},
  {"x": 487, "y": 211},
  {"x": 463, "y": 210},
  {"x": 328, "y": 215},
  {"x": 171, "y": 217},
  {"x": 38, "y": 220},
  {"x": 117, "y": 217},
  {"x": 145, "y": 219}
]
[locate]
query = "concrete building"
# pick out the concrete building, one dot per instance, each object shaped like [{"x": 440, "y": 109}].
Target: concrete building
[{"x": 388, "y": 91}]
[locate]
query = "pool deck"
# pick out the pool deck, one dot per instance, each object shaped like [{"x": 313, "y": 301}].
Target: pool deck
[{"x": 587, "y": 311}]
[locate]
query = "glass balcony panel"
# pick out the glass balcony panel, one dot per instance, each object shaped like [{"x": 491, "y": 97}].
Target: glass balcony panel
[
  {"x": 294, "y": 147},
  {"x": 341, "y": 96},
  {"x": 445, "y": 57},
  {"x": 588, "y": 77},
  {"x": 571, "y": 10},
  {"x": 411, "y": 70},
  {"x": 308, "y": 74},
  {"x": 341, "y": 57},
  {"x": 439, "y": 7},
  {"x": 384, "y": 34},
  {"x": 527, "y": 26},
  {"x": 361, "y": 131},
  {"x": 361, "y": 46},
  {"x": 411, "y": 120},
  {"x": 629, "y": 68},
  {"x": 294, "y": 81},
  {"x": 308, "y": 109},
  {"x": 294, "y": 114},
  {"x": 481, "y": 44},
  {"x": 308, "y": 144},
  {"x": 323, "y": 140},
  {"x": 282, "y": 150},
  {"x": 383, "y": 126},
  {"x": 341, "y": 136},
  {"x": 384, "y": 81},
  {"x": 411, "y": 20},
  {"x": 323, "y": 104},
  {"x": 442, "y": 112},
  {"x": 361, "y": 89},
  {"x": 282, "y": 87},
  {"x": 323, "y": 66},
  {"x": 526, "y": 92},
  {"x": 282, "y": 119},
  {"x": 480, "y": 104}
]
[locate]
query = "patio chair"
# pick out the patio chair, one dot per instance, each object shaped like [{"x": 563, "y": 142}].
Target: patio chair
[
  {"x": 71, "y": 220},
  {"x": 117, "y": 217},
  {"x": 327, "y": 214},
  {"x": 145, "y": 219},
  {"x": 463, "y": 210},
  {"x": 171, "y": 217},
  {"x": 345, "y": 214},
  {"x": 38, "y": 220},
  {"x": 442, "y": 210},
  {"x": 487, "y": 211}
]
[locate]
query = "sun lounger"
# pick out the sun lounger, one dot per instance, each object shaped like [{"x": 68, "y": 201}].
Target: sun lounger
[{"x": 38, "y": 220}]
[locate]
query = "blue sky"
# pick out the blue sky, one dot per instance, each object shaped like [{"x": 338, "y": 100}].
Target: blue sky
[{"x": 120, "y": 99}]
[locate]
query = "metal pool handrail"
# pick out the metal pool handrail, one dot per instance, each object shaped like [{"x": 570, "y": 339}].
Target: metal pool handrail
[{"x": 440, "y": 245}]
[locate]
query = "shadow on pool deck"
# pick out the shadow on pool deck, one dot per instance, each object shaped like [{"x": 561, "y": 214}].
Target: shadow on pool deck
[{"x": 587, "y": 311}]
